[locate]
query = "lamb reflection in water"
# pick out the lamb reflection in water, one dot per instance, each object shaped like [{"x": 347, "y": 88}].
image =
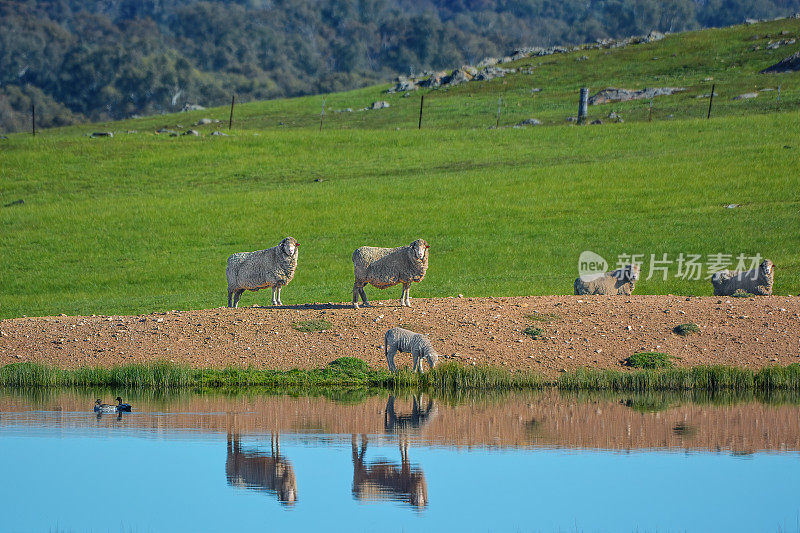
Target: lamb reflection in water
[
  {"x": 260, "y": 471},
  {"x": 384, "y": 480}
]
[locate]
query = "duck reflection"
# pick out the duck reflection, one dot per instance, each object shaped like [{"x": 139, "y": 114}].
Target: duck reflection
[
  {"x": 260, "y": 471},
  {"x": 117, "y": 416},
  {"x": 385, "y": 480}
]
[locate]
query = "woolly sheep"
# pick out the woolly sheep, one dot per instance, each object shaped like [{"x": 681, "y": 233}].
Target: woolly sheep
[
  {"x": 620, "y": 281},
  {"x": 273, "y": 267},
  {"x": 757, "y": 281},
  {"x": 403, "y": 340},
  {"x": 386, "y": 267}
]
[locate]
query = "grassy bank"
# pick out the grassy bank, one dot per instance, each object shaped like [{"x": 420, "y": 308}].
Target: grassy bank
[{"x": 349, "y": 372}]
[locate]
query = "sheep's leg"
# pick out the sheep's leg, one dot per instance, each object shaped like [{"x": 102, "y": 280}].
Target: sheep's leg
[
  {"x": 418, "y": 364},
  {"x": 230, "y": 298},
  {"x": 390, "y": 353},
  {"x": 280, "y": 288},
  {"x": 274, "y": 297},
  {"x": 404, "y": 299},
  {"x": 358, "y": 291},
  {"x": 236, "y": 296}
]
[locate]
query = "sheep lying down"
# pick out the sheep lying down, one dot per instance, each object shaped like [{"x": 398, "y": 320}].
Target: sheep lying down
[
  {"x": 418, "y": 345},
  {"x": 757, "y": 281},
  {"x": 620, "y": 281},
  {"x": 251, "y": 271},
  {"x": 387, "y": 267}
]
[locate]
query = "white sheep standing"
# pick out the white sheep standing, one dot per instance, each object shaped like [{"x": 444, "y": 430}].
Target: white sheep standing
[
  {"x": 386, "y": 267},
  {"x": 418, "y": 345},
  {"x": 757, "y": 281},
  {"x": 620, "y": 281},
  {"x": 273, "y": 267}
]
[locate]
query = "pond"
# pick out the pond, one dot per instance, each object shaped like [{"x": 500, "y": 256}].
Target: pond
[{"x": 538, "y": 461}]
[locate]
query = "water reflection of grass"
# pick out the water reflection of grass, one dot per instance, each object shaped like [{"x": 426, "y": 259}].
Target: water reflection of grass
[{"x": 657, "y": 401}]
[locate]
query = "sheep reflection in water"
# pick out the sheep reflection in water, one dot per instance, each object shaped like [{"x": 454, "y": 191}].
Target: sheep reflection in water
[
  {"x": 260, "y": 471},
  {"x": 384, "y": 480}
]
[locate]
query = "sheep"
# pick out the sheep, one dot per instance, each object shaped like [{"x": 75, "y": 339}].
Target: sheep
[
  {"x": 403, "y": 340},
  {"x": 757, "y": 281},
  {"x": 273, "y": 267},
  {"x": 386, "y": 267},
  {"x": 620, "y": 281}
]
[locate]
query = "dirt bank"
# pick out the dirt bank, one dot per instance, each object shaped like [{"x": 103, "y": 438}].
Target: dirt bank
[{"x": 594, "y": 332}]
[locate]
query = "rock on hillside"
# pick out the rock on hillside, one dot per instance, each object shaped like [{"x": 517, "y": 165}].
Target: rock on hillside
[
  {"x": 487, "y": 69},
  {"x": 789, "y": 64},
  {"x": 613, "y": 94}
]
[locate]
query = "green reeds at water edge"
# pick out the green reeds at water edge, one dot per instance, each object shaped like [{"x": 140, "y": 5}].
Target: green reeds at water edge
[
  {"x": 710, "y": 378},
  {"x": 448, "y": 376}
]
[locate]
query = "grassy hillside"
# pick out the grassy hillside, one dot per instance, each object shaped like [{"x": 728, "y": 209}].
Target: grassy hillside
[
  {"x": 143, "y": 222},
  {"x": 692, "y": 60}
]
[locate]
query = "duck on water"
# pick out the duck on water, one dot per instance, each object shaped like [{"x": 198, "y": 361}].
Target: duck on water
[
  {"x": 100, "y": 407},
  {"x": 122, "y": 406}
]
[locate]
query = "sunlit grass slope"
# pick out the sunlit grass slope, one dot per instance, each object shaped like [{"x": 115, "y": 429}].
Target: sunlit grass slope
[
  {"x": 143, "y": 222},
  {"x": 692, "y": 60}
]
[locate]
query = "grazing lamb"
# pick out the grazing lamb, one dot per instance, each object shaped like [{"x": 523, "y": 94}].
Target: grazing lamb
[
  {"x": 620, "y": 281},
  {"x": 273, "y": 267},
  {"x": 403, "y": 340},
  {"x": 757, "y": 281},
  {"x": 386, "y": 267}
]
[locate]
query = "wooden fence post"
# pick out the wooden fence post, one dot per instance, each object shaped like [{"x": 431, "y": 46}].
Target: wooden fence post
[
  {"x": 230, "y": 120},
  {"x": 421, "y": 102},
  {"x": 711, "y": 100},
  {"x": 583, "y": 105}
]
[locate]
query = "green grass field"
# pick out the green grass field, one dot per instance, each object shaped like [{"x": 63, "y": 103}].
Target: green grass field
[{"x": 143, "y": 222}]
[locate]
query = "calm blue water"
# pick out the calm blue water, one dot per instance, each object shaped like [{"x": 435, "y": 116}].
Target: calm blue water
[{"x": 67, "y": 472}]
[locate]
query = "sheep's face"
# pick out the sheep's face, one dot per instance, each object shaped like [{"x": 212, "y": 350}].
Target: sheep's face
[
  {"x": 767, "y": 269},
  {"x": 289, "y": 246},
  {"x": 627, "y": 273},
  {"x": 419, "y": 249}
]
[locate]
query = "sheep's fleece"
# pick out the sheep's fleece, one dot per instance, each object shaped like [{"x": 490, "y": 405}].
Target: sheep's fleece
[
  {"x": 386, "y": 267},
  {"x": 757, "y": 281},
  {"x": 620, "y": 281},
  {"x": 418, "y": 345},
  {"x": 273, "y": 267}
]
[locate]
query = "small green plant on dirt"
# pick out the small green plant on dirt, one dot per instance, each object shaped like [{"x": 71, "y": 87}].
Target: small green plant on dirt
[
  {"x": 686, "y": 329},
  {"x": 740, "y": 293},
  {"x": 307, "y": 326},
  {"x": 544, "y": 317},
  {"x": 649, "y": 360},
  {"x": 534, "y": 333}
]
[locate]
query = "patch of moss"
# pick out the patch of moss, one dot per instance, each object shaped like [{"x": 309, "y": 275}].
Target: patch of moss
[
  {"x": 686, "y": 329},
  {"x": 534, "y": 333},
  {"x": 649, "y": 360},
  {"x": 544, "y": 317},
  {"x": 307, "y": 326}
]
